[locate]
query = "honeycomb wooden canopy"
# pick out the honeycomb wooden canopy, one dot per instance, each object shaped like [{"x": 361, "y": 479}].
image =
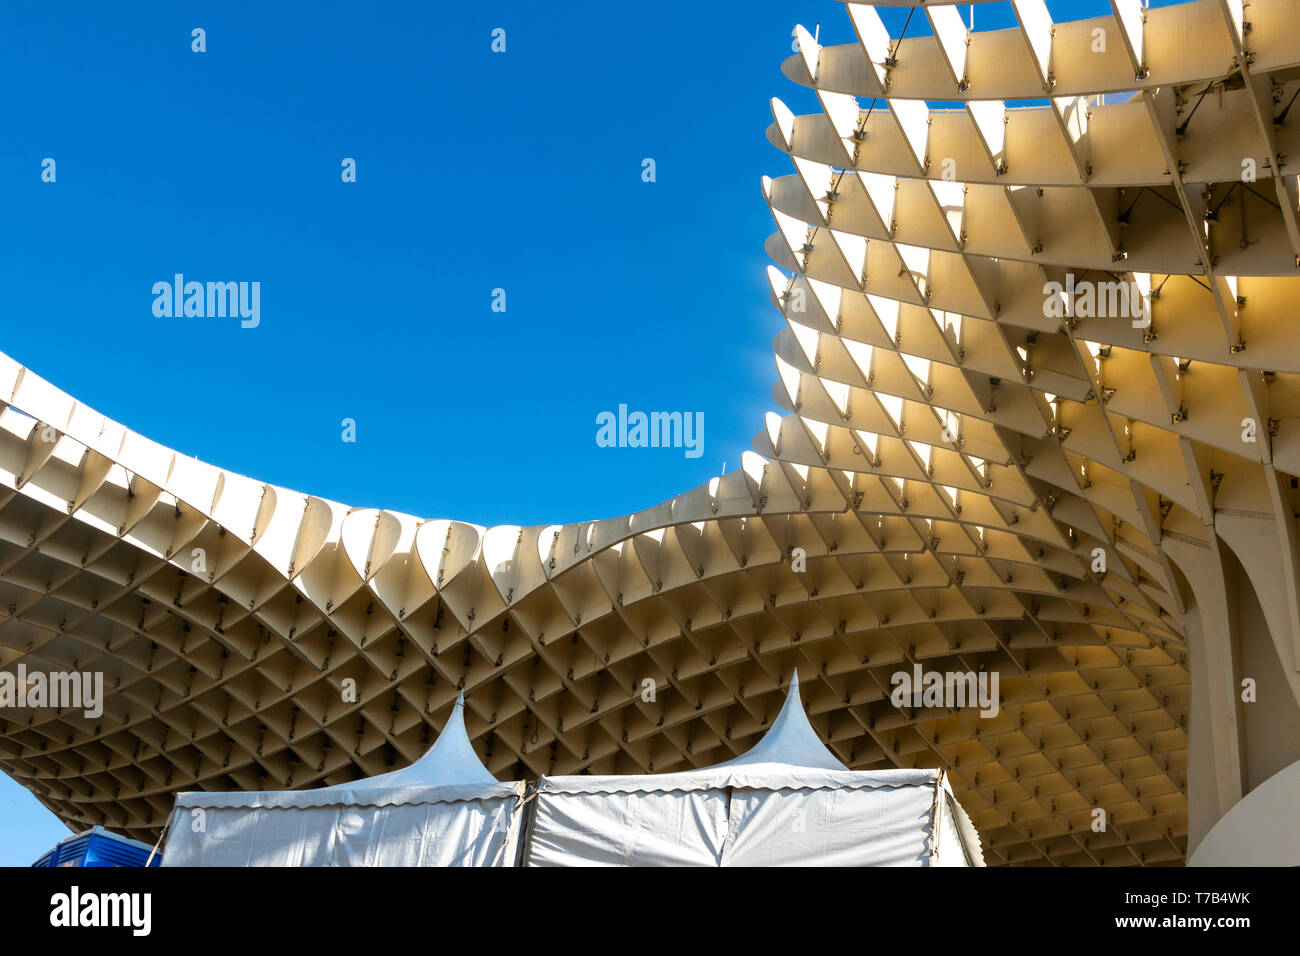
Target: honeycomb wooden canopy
[{"x": 972, "y": 473}]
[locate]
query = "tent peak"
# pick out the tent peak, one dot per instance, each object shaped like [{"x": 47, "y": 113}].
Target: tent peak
[
  {"x": 452, "y": 757},
  {"x": 450, "y": 761},
  {"x": 790, "y": 740}
]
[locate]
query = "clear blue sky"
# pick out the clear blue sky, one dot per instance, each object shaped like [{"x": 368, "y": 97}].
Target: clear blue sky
[{"x": 475, "y": 171}]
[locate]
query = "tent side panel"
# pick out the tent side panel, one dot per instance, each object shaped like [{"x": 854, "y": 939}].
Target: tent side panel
[
  {"x": 959, "y": 836},
  {"x": 676, "y": 828},
  {"x": 831, "y": 827},
  {"x": 250, "y": 837},
  {"x": 472, "y": 833},
  {"x": 436, "y": 834},
  {"x": 952, "y": 850}
]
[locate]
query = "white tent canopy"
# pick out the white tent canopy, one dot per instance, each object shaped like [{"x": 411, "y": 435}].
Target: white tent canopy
[
  {"x": 445, "y": 809},
  {"x": 786, "y": 802}
]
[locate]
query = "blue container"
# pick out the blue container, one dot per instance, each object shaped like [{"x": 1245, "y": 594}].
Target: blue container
[{"x": 99, "y": 847}]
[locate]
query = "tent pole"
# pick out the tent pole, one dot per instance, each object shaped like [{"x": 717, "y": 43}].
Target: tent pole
[
  {"x": 166, "y": 827},
  {"x": 934, "y": 819},
  {"x": 518, "y": 817}
]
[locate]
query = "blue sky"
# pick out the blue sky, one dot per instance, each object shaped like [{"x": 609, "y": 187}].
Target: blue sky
[{"x": 475, "y": 171}]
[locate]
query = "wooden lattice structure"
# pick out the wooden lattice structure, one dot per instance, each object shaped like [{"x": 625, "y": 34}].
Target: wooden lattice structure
[{"x": 952, "y": 461}]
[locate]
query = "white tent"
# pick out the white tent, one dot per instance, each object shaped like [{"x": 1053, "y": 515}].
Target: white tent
[
  {"x": 443, "y": 810},
  {"x": 786, "y": 802}
]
